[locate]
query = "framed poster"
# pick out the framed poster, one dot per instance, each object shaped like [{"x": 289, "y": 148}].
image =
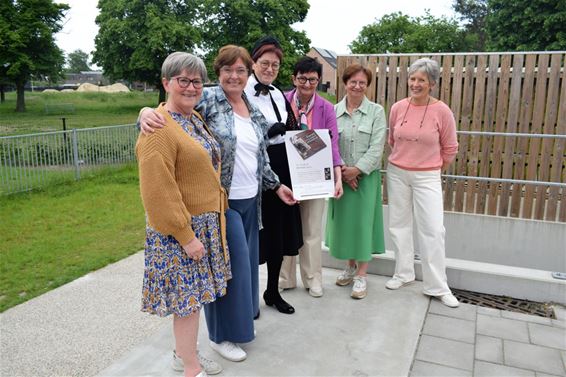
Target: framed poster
[{"x": 310, "y": 163}]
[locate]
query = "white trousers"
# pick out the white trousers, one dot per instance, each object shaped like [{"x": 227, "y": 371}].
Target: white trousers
[
  {"x": 417, "y": 196},
  {"x": 310, "y": 255}
]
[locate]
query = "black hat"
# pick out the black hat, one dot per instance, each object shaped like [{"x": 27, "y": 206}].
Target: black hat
[{"x": 268, "y": 40}]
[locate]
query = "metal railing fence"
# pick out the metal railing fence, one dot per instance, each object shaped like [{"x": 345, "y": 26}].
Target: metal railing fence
[{"x": 31, "y": 161}]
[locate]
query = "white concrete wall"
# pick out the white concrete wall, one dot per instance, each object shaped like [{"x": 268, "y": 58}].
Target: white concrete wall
[{"x": 524, "y": 243}]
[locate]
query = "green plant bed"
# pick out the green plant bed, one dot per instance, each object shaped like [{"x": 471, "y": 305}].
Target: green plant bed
[{"x": 53, "y": 236}]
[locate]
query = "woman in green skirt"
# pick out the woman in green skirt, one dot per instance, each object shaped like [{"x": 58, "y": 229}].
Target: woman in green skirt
[{"x": 354, "y": 229}]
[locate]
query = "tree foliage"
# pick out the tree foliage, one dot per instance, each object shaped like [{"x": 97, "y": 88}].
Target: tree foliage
[
  {"x": 522, "y": 25},
  {"x": 399, "y": 33},
  {"x": 77, "y": 61},
  {"x": 243, "y": 22},
  {"x": 135, "y": 37},
  {"x": 473, "y": 14},
  {"x": 27, "y": 46}
]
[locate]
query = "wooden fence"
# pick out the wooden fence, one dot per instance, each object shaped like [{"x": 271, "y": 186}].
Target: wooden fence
[{"x": 492, "y": 92}]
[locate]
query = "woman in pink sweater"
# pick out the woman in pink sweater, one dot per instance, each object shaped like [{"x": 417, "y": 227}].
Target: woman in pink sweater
[{"x": 422, "y": 136}]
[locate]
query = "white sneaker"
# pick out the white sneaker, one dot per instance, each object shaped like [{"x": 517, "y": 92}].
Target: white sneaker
[
  {"x": 202, "y": 374},
  {"x": 359, "y": 290},
  {"x": 396, "y": 283},
  {"x": 449, "y": 300},
  {"x": 210, "y": 367},
  {"x": 229, "y": 351},
  {"x": 315, "y": 291},
  {"x": 346, "y": 276}
]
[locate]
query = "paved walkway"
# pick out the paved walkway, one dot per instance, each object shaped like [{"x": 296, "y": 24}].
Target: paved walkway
[{"x": 92, "y": 326}]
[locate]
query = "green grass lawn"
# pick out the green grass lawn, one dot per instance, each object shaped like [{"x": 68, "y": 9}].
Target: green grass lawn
[
  {"x": 53, "y": 236},
  {"x": 81, "y": 110}
]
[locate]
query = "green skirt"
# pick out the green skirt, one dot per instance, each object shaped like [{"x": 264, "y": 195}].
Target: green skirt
[{"x": 354, "y": 227}]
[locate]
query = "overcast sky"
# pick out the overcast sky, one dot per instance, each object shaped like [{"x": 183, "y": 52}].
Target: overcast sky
[{"x": 330, "y": 24}]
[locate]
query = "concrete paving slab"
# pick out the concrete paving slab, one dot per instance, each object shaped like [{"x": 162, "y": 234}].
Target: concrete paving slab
[
  {"x": 533, "y": 357},
  {"x": 558, "y": 323},
  {"x": 450, "y": 328},
  {"x": 78, "y": 328},
  {"x": 526, "y": 317},
  {"x": 331, "y": 336},
  {"x": 563, "y": 353},
  {"x": 547, "y": 336},
  {"x": 489, "y": 349},
  {"x": 484, "y": 369},
  {"x": 538, "y": 374},
  {"x": 489, "y": 311},
  {"x": 464, "y": 311},
  {"x": 424, "y": 369},
  {"x": 446, "y": 352},
  {"x": 502, "y": 328}
]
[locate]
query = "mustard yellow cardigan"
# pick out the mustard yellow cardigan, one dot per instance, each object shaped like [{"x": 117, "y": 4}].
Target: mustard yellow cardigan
[{"x": 178, "y": 180}]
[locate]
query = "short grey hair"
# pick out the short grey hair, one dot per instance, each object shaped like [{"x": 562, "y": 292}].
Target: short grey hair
[
  {"x": 429, "y": 67},
  {"x": 177, "y": 62}
]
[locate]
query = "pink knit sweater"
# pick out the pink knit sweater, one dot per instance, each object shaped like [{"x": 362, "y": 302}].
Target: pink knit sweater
[{"x": 422, "y": 148}]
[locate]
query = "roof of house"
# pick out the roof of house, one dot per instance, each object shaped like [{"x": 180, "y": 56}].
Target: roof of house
[{"x": 328, "y": 55}]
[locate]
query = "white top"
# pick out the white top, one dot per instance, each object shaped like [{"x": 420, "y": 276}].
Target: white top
[
  {"x": 244, "y": 181},
  {"x": 263, "y": 102}
]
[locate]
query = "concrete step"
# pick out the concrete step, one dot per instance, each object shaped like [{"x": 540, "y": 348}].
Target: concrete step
[{"x": 497, "y": 279}]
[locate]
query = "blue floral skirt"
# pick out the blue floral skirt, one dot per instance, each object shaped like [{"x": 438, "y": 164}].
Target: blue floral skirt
[{"x": 175, "y": 283}]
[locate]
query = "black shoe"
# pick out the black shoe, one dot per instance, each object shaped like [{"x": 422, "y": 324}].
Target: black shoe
[
  {"x": 281, "y": 305},
  {"x": 257, "y": 315}
]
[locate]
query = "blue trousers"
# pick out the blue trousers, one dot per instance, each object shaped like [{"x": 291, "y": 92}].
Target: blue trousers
[{"x": 230, "y": 318}]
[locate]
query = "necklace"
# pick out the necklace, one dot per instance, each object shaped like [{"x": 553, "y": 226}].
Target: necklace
[
  {"x": 406, "y": 111},
  {"x": 416, "y": 139}
]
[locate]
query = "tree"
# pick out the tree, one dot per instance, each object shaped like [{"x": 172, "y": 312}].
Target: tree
[
  {"x": 473, "y": 13},
  {"x": 398, "y": 33},
  {"x": 135, "y": 37},
  {"x": 521, "y": 25},
  {"x": 77, "y": 61},
  {"x": 243, "y": 22},
  {"x": 27, "y": 47}
]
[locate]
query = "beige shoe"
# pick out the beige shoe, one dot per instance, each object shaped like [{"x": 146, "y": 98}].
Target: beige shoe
[
  {"x": 359, "y": 290},
  {"x": 449, "y": 300},
  {"x": 316, "y": 291},
  {"x": 396, "y": 283},
  {"x": 210, "y": 367},
  {"x": 346, "y": 276}
]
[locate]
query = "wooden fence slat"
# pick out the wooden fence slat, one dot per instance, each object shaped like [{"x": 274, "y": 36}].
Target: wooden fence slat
[
  {"x": 403, "y": 77},
  {"x": 455, "y": 105},
  {"x": 512, "y": 119},
  {"x": 465, "y": 120},
  {"x": 436, "y": 88},
  {"x": 445, "y": 78},
  {"x": 489, "y": 126},
  {"x": 499, "y": 141},
  {"x": 541, "y": 78},
  {"x": 391, "y": 81},
  {"x": 557, "y": 159},
  {"x": 381, "y": 82},
  {"x": 559, "y": 175},
  {"x": 371, "y": 89},
  {"x": 475, "y": 141},
  {"x": 526, "y": 108},
  {"x": 548, "y": 128}
]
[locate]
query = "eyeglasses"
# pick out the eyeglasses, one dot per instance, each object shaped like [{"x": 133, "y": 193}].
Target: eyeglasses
[
  {"x": 311, "y": 80},
  {"x": 264, "y": 64},
  {"x": 354, "y": 83},
  {"x": 184, "y": 82},
  {"x": 238, "y": 71}
]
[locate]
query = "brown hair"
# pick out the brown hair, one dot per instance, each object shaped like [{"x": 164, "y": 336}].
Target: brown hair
[
  {"x": 228, "y": 55},
  {"x": 268, "y": 48},
  {"x": 352, "y": 69}
]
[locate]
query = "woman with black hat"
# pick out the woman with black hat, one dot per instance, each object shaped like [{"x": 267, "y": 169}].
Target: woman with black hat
[{"x": 281, "y": 234}]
